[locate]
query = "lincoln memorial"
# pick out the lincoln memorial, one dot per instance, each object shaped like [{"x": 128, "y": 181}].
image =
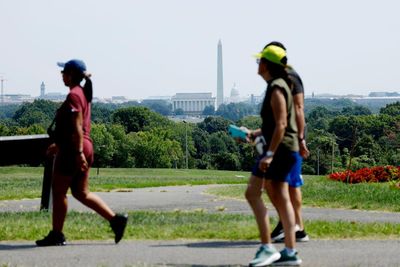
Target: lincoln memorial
[{"x": 192, "y": 103}]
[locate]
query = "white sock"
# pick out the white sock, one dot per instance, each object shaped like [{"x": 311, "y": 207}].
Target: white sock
[
  {"x": 290, "y": 251},
  {"x": 268, "y": 246}
]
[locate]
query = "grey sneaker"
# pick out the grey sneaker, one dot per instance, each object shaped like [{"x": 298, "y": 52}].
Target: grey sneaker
[
  {"x": 286, "y": 260},
  {"x": 265, "y": 256}
]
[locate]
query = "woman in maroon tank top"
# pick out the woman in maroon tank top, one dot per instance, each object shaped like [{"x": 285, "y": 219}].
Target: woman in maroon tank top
[{"x": 73, "y": 152}]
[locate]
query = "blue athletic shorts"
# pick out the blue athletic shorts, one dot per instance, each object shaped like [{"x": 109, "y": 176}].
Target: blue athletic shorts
[{"x": 294, "y": 178}]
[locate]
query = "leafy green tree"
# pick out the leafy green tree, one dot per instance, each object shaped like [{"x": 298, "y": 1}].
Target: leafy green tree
[
  {"x": 104, "y": 145},
  {"x": 250, "y": 122},
  {"x": 391, "y": 109},
  {"x": 123, "y": 155},
  {"x": 356, "y": 110},
  {"x": 160, "y": 106},
  {"x": 319, "y": 118},
  {"x": 224, "y": 151},
  {"x": 368, "y": 150},
  {"x": 204, "y": 162},
  {"x": 217, "y": 144},
  {"x": 389, "y": 144},
  {"x": 4, "y": 130},
  {"x": 347, "y": 129},
  {"x": 39, "y": 112},
  {"x": 135, "y": 119},
  {"x": 201, "y": 142},
  {"x": 208, "y": 111},
  {"x": 214, "y": 124},
  {"x": 152, "y": 150},
  {"x": 35, "y": 129},
  {"x": 7, "y": 111},
  {"x": 227, "y": 161},
  {"x": 101, "y": 113},
  {"x": 247, "y": 155},
  {"x": 321, "y": 144},
  {"x": 235, "y": 111}
]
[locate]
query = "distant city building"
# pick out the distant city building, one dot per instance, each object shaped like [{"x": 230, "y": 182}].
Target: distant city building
[
  {"x": 255, "y": 100},
  {"x": 42, "y": 90},
  {"x": 17, "y": 98},
  {"x": 220, "y": 78},
  {"x": 192, "y": 103},
  {"x": 165, "y": 98},
  {"x": 384, "y": 94},
  {"x": 54, "y": 96},
  {"x": 157, "y": 99},
  {"x": 234, "y": 97},
  {"x": 119, "y": 99}
]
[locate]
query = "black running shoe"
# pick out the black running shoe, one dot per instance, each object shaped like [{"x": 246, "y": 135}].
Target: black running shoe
[
  {"x": 301, "y": 236},
  {"x": 118, "y": 224},
  {"x": 52, "y": 239},
  {"x": 277, "y": 234}
]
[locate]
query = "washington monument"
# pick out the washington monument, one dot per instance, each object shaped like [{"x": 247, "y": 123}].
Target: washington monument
[{"x": 220, "y": 78}]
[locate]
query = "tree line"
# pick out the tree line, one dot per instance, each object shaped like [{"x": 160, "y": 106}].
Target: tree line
[{"x": 133, "y": 135}]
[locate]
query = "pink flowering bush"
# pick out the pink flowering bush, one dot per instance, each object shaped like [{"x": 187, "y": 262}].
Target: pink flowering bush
[{"x": 375, "y": 174}]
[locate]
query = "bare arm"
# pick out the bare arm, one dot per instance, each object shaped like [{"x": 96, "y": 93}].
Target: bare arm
[
  {"x": 279, "y": 109},
  {"x": 278, "y": 104},
  {"x": 298, "y": 100}
]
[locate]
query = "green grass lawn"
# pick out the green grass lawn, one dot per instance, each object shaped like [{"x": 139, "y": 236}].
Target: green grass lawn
[
  {"x": 318, "y": 191},
  {"x": 24, "y": 182},
  {"x": 177, "y": 225}
]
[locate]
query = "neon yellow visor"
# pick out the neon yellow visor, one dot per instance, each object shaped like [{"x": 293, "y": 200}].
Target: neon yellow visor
[{"x": 273, "y": 53}]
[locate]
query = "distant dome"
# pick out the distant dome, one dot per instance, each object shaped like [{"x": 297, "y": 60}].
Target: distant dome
[{"x": 234, "y": 91}]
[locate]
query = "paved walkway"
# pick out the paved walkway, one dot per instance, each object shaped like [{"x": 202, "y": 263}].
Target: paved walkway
[
  {"x": 194, "y": 198},
  {"x": 192, "y": 252}
]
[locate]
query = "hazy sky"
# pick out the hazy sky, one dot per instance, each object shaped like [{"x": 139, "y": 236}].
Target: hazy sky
[{"x": 160, "y": 47}]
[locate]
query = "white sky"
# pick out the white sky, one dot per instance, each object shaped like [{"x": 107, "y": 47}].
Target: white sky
[{"x": 158, "y": 47}]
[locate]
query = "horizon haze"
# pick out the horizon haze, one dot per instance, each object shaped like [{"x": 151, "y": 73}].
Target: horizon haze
[{"x": 149, "y": 48}]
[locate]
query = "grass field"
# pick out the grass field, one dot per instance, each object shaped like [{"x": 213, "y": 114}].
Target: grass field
[
  {"x": 18, "y": 182},
  {"x": 318, "y": 191},
  {"x": 178, "y": 225},
  {"x": 24, "y": 182}
]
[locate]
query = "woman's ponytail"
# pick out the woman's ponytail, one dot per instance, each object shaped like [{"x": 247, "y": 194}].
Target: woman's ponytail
[{"x": 88, "y": 88}]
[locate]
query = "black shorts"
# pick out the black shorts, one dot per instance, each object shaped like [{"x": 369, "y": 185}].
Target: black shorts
[{"x": 280, "y": 167}]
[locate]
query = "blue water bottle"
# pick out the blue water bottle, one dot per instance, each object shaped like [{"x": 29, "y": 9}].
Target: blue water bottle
[{"x": 237, "y": 132}]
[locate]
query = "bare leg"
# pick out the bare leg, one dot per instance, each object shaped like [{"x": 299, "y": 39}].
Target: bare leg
[
  {"x": 60, "y": 187},
  {"x": 278, "y": 192},
  {"x": 253, "y": 196},
  {"x": 296, "y": 199},
  {"x": 80, "y": 190}
]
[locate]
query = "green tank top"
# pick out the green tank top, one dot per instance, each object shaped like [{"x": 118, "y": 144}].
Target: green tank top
[{"x": 290, "y": 139}]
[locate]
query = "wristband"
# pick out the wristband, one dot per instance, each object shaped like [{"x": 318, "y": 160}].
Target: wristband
[{"x": 269, "y": 154}]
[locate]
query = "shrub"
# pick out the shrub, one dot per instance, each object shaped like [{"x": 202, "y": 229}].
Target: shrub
[{"x": 375, "y": 174}]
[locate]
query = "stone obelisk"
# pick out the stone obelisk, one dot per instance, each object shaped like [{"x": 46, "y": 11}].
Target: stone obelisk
[{"x": 220, "y": 78}]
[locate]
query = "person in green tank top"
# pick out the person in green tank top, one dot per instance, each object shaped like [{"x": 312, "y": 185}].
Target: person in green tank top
[{"x": 270, "y": 172}]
